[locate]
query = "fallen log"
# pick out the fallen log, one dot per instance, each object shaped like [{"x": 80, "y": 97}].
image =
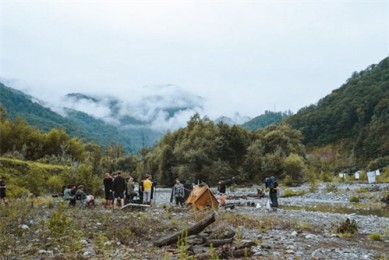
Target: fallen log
[
  {"x": 246, "y": 252},
  {"x": 218, "y": 242},
  {"x": 243, "y": 245},
  {"x": 134, "y": 205},
  {"x": 195, "y": 229}
]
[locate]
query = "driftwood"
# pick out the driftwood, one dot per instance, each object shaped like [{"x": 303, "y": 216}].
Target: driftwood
[
  {"x": 243, "y": 245},
  {"x": 195, "y": 229},
  {"x": 222, "y": 232},
  {"x": 134, "y": 205},
  {"x": 218, "y": 242},
  {"x": 245, "y": 252}
]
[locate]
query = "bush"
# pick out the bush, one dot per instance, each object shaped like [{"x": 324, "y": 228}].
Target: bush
[
  {"x": 331, "y": 187},
  {"x": 348, "y": 226},
  {"x": 385, "y": 198},
  {"x": 326, "y": 177},
  {"x": 288, "y": 181},
  {"x": 354, "y": 199},
  {"x": 375, "y": 237}
]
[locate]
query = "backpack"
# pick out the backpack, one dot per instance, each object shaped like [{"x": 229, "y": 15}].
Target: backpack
[{"x": 270, "y": 183}]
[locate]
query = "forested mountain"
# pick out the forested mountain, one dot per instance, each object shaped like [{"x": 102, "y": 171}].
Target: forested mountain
[
  {"x": 356, "y": 114},
  {"x": 266, "y": 119},
  {"x": 77, "y": 124}
]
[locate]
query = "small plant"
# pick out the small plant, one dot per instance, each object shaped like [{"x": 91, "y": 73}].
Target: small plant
[
  {"x": 326, "y": 177},
  {"x": 287, "y": 181},
  {"x": 233, "y": 187},
  {"x": 313, "y": 186},
  {"x": 385, "y": 198},
  {"x": 375, "y": 237},
  {"x": 331, "y": 187},
  {"x": 354, "y": 199},
  {"x": 183, "y": 246},
  {"x": 239, "y": 236},
  {"x": 361, "y": 190},
  {"x": 347, "y": 227},
  {"x": 213, "y": 254},
  {"x": 59, "y": 221}
]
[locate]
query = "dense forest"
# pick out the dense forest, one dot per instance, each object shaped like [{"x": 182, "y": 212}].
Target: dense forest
[{"x": 354, "y": 116}]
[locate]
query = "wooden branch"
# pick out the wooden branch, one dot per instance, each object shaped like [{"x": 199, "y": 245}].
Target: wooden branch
[
  {"x": 195, "y": 229},
  {"x": 218, "y": 242}
]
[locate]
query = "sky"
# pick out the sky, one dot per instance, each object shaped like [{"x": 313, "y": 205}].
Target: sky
[{"x": 240, "y": 56}]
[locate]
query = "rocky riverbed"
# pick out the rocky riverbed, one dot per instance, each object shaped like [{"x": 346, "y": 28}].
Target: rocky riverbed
[
  {"x": 304, "y": 227},
  {"x": 306, "y": 234}
]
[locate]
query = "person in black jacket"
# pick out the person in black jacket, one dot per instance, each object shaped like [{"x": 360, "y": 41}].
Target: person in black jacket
[
  {"x": 108, "y": 183},
  {"x": 222, "y": 186},
  {"x": 119, "y": 187},
  {"x": 3, "y": 194}
]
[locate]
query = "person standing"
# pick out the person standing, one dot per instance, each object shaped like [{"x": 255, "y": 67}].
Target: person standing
[
  {"x": 108, "y": 183},
  {"x": 272, "y": 184},
  {"x": 3, "y": 194},
  {"x": 221, "y": 187},
  {"x": 179, "y": 192},
  {"x": 147, "y": 185},
  {"x": 130, "y": 190},
  {"x": 119, "y": 187}
]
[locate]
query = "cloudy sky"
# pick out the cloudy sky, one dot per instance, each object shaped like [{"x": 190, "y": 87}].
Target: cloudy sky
[{"x": 240, "y": 56}]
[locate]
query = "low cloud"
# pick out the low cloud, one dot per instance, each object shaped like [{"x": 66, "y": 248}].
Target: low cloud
[{"x": 163, "y": 107}]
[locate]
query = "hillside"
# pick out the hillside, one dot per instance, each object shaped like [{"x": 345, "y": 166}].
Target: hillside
[
  {"x": 79, "y": 124},
  {"x": 266, "y": 119},
  {"x": 356, "y": 115}
]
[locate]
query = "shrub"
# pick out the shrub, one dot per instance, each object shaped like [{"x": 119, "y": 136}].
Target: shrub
[
  {"x": 313, "y": 186},
  {"x": 326, "y": 177},
  {"x": 385, "y": 198},
  {"x": 288, "y": 181},
  {"x": 347, "y": 226},
  {"x": 354, "y": 199},
  {"x": 375, "y": 237},
  {"x": 331, "y": 187}
]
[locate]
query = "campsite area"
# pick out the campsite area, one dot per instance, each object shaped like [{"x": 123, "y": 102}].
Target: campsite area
[{"x": 310, "y": 224}]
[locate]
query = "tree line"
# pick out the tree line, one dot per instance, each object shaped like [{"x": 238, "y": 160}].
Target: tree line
[{"x": 201, "y": 150}]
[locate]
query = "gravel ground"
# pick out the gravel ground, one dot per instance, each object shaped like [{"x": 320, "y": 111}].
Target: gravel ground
[{"x": 292, "y": 243}]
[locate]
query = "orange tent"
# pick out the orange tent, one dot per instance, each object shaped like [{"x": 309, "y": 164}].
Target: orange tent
[{"x": 201, "y": 197}]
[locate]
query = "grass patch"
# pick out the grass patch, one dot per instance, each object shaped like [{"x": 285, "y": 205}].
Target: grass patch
[
  {"x": 291, "y": 193},
  {"x": 354, "y": 199},
  {"x": 375, "y": 237}
]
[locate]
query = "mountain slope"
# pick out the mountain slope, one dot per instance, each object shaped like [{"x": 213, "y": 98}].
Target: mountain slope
[
  {"x": 356, "y": 114},
  {"x": 79, "y": 124},
  {"x": 264, "y": 120}
]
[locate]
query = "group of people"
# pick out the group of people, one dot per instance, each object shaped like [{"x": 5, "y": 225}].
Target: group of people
[
  {"x": 120, "y": 191},
  {"x": 73, "y": 194}
]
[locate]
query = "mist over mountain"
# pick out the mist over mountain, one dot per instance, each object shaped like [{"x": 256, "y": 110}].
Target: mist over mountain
[
  {"x": 168, "y": 108},
  {"x": 135, "y": 123}
]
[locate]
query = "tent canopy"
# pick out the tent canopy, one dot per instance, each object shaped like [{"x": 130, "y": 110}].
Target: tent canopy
[{"x": 201, "y": 198}]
